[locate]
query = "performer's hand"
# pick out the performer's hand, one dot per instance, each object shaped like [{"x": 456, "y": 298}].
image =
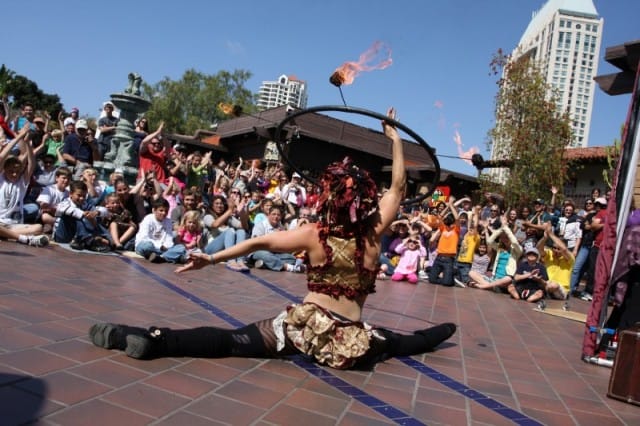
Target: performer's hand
[
  {"x": 389, "y": 130},
  {"x": 196, "y": 261}
]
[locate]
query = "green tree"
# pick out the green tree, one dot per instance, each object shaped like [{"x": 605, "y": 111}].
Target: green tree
[
  {"x": 24, "y": 91},
  {"x": 191, "y": 103},
  {"x": 530, "y": 130}
]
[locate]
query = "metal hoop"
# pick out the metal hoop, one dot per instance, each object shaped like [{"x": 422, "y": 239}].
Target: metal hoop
[{"x": 360, "y": 111}]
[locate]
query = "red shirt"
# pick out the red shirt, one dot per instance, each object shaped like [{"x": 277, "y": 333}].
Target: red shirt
[{"x": 155, "y": 161}]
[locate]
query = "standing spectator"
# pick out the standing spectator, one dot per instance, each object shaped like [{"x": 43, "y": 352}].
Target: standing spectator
[
  {"x": 294, "y": 192},
  {"x": 107, "y": 127},
  {"x": 80, "y": 150},
  {"x": 26, "y": 117},
  {"x": 154, "y": 155},
  {"x": 581, "y": 265},
  {"x": 467, "y": 250},
  {"x": 447, "y": 248},
  {"x": 595, "y": 225}
]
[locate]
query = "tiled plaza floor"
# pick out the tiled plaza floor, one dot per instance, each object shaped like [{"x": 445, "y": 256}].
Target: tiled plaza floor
[{"x": 507, "y": 364}]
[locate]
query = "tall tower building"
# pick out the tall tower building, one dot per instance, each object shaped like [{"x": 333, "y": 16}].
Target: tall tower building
[
  {"x": 287, "y": 90},
  {"x": 564, "y": 38}
]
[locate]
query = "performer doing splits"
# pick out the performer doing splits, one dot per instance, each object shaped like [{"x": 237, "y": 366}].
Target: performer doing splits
[{"x": 342, "y": 252}]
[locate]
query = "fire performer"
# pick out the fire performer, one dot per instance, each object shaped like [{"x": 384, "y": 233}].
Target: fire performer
[{"x": 342, "y": 251}]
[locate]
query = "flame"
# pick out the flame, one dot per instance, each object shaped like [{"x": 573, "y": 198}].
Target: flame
[
  {"x": 347, "y": 72},
  {"x": 229, "y": 109},
  {"x": 465, "y": 155}
]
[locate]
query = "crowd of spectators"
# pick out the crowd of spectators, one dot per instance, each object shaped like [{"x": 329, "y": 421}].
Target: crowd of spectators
[
  {"x": 185, "y": 200},
  {"x": 547, "y": 249}
]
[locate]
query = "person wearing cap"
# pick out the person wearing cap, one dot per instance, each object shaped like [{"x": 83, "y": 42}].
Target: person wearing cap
[
  {"x": 294, "y": 192},
  {"x": 107, "y": 127},
  {"x": 79, "y": 150},
  {"x": 530, "y": 279},
  {"x": 595, "y": 226},
  {"x": 69, "y": 121}
]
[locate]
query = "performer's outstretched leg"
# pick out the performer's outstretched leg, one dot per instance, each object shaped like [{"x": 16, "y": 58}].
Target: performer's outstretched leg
[
  {"x": 396, "y": 344},
  {"x": 254, "y": 340}
]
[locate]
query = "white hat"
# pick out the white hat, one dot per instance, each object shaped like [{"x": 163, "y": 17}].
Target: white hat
[
  {"x": 68, "y": 121},
  {"x": 296, "y": 175},
  {"x": 82, "y": 124},
  {"x": 600, "y": 200}
]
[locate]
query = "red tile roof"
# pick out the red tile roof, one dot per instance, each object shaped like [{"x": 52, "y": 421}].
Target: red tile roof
[{"x": 590, "y": 153}]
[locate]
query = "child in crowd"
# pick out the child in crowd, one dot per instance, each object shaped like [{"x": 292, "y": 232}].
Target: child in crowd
[
  {"x": 467, "y": 249},
  {"x": 172, "y": 194},
  {"x": 154, "y": 240},
  {"x": 481, "y": 260},
  {"x": 530, "y": 279},
  {"x": 53, "y": 195},
  {"x": 190, "y": 231},
  {"x": 447, "y": 247},
  {"x": 77, "y": 221},
  {"x": 121, "y": 226},
  {"x": 410, "y": 251}
]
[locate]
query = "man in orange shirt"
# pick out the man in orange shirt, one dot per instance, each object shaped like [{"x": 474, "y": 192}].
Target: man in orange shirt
[{"x": 449, "y": 231}]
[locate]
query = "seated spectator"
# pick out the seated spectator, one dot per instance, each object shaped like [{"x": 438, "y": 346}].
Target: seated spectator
[
  {"x": 388, "y": 256},
  {"x": 190, "y": 231},
  {"x": 69, "y": 121},
  {"x": 189, "y": 201},
  {"x": 198, "y": 170},
  {"x": 507, "y": 253},
  {"x": 15, "y": 174},
  {"x": 226, "y": 224},
  {"x": 411, "y": 251},
  {"x": 154, "y": 240},
  {"x": 120, "y": 224},
  {"x": 559, "y": 262},
  {"x": 530, "y": 279},
  {"x": 265, "y": 207},
  {"x": 77, "y": 221},
  {"x": 53, "y": 195},
  {"x": 130, "y": 200},
  {"x": 95, "y": 189},
  {"x": 294, "y": 192},
  {"x": 45, "y": 173},
  {"x": 268, "y": 259},
  {"x": 302, "y": 218}
]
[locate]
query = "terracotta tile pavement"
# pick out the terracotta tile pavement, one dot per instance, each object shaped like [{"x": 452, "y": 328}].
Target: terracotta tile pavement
[{"x": 506, "y": 364}]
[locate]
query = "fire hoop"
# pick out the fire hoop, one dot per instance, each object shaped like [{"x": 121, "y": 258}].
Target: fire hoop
[{"x": 353, "y": 110}]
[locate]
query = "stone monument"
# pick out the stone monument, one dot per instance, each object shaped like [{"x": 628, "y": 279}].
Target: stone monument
[{"x": 120, "y": 155}]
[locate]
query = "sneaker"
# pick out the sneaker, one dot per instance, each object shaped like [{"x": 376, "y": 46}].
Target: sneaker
[
  {"x": 382, "y": 276},
  {"x": 586, "y": 297},
  {"x": 258, "y": 264},
  {"x": 300, "y": 269},
  {"x": 156, "y": 258},
  {"x": 76, "y": 244},
  {"x": 459, "y": 283},
  {"x": 38, "y": 241},
  {"x": 423, "y": 276}
]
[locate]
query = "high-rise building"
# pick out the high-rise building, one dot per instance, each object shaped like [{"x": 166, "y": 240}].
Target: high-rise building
[
  {"x": 564, "y": 38},
  {"x": 287, "y": 90}
]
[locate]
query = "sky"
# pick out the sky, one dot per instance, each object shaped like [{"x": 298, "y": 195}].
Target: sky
[{"x": 438, "y": 81}]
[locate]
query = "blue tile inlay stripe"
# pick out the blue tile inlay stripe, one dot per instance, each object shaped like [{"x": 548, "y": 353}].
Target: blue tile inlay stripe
[
  {"x": 492, "y": 404},
  {"x": 370, "y": 401}
]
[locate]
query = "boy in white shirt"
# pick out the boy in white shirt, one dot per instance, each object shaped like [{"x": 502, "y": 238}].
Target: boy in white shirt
[
  {"x": 52, "y": 195},
  {"x": 154, "y": 240}
]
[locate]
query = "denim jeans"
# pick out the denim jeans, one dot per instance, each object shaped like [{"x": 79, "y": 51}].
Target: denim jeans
[
  {"x": 442, "y": 264},
  {"x": 67, "y": 228},
  {"x": 273, "y": 261},
  {"x": 174, "y": 254},
  {"x": 227, "y": 238},
  {"x": 579, "y": 267},
  {"x": 462, "y": 271}
]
